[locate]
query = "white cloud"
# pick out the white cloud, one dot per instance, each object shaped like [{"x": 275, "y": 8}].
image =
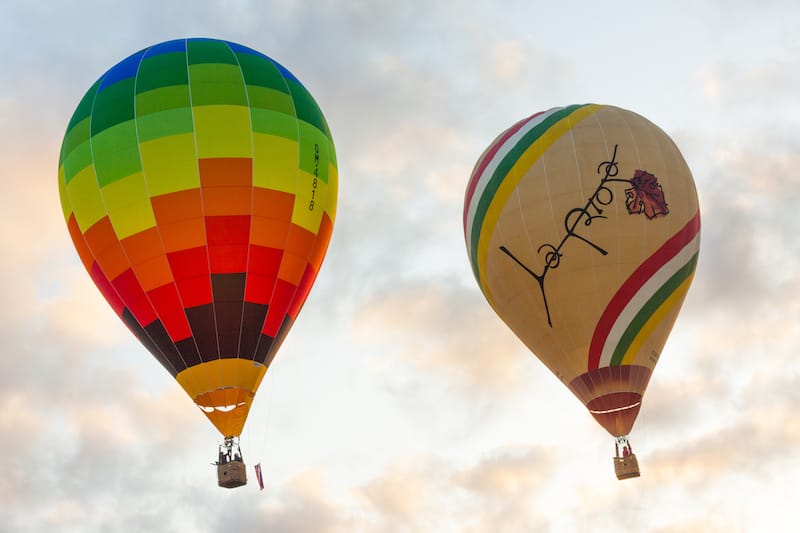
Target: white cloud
[
  {"x": 446, "y": 331},
  {"x": 497, "y": 492},
  {"x": 406, "y": 494},
  {"x": 509, "y": 59}
]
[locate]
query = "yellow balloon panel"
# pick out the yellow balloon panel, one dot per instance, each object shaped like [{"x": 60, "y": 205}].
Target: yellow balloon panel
[
  {"x": 224, "y": 390},
  {"x": 582, "y": 226}
]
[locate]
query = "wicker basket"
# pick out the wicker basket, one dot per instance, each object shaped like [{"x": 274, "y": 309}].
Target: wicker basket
[
  {"x": 231, "y": 474},
  {"x": 626, "y": 467}
]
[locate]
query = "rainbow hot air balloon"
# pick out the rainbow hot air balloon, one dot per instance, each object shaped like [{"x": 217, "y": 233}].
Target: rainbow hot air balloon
[
  {"x": 198, "y": 181},
  {"x": 583, "y": 229}
]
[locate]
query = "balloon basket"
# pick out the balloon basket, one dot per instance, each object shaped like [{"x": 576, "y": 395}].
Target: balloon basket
[
  {"x": 232, "y": 474},
  {"x": 626, "y": 467},
  {"x": 231, "y": 471}
]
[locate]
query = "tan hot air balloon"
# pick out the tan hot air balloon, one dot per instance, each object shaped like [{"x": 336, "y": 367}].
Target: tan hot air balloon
[{"x": 583, "y": 229}]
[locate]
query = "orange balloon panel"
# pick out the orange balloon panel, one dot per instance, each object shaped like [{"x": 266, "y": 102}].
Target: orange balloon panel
[{"x": 583, "y": 230}]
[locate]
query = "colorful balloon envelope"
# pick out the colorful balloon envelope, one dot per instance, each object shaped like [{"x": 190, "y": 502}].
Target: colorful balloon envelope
[
  {"x": 198, "y": 181},
  {"x": 583, "y": 229}
]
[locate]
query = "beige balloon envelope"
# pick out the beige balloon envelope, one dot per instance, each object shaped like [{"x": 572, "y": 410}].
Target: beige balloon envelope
[{"x": 583, "y": 229}]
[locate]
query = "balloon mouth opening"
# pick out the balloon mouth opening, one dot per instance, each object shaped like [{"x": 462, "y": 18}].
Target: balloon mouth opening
[
  {"x": 221, "y": 408},
  {"x": 615, "y": 409},
  {"x": 222, "y": 400},
  {"x": 614, "y": 402}
]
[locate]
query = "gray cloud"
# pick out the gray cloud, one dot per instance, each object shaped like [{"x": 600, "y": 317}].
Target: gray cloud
[{"x": 749, "y": 248}]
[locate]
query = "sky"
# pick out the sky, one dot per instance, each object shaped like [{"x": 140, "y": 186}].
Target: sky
[{"x": 400, "y": 402}]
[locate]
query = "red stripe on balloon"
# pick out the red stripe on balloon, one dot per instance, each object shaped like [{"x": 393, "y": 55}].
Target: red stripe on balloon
[
  {"x": 258, "y": 288},
  {"x": 635, "y": 282},
  {"x": 488, "y": 156},
  {"x": 302, "y": 291},
  {"x": 189, "y": 263},
  {"x": 195, "y": 291},
  {"x": 106, "y": 289},
  {"x": 131, "y": 292},
  {"x": 228, "y": 239},
  {"x": 264, "y": 261},
  {"x": 167, "y": 304},
  {"x": 278, "y": 306}
]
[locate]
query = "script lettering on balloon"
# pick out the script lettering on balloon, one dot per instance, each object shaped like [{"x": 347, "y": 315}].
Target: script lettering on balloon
[{"x": 645, "y": 195}]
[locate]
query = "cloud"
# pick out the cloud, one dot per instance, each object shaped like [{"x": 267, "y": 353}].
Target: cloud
[
  {"x": 508, "y": 60},
  {"x": 503, "y": 488},
  {"x": 415, "y": 152},
  {"x": 710, "y": 524},
  {"x": 445, "y": 330},
  {"x": 91, "y": 437},
  {"x": 716, "y": 420},
  {"x": 87, "y": 429},
  {"x": 756, "y": 446},
  {"x": 85, "y": 453},
  {"x": 711, "y": 365},
  {"x": 728, "y": 84},
  {"x": 497, "y": 492},
  {"x": 748, "y": 193},
  {"x": 722, "y": 373},
  {"x": 405, "y": 493},
  {"x": 305, "y": 504},
  {"x": 75, "y": 310}
]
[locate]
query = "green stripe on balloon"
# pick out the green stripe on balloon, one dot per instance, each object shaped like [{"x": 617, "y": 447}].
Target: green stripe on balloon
[
  {"x": 84, "y": 109},
  {"x": 163, "y": 70},
  {"x": 162, "y": 99},
  {"x": 164, "y": 124},
  {"x": 115, "y": 153},
  {"x": 650, "y": 307},
  {"x": 502, "y": 170},
  {"x": 216, "y": 84},
  {"x": 261, "y": 72},
  {"x": 270, "y": 99},
  {"x": 209, "y": 51},
  {"x": 113, "y": 105}
]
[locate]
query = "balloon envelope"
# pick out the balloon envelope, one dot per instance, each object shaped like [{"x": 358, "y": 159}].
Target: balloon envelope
[
  {"x": 583, "y": 229},
  {"x": 198, "y": 181}
]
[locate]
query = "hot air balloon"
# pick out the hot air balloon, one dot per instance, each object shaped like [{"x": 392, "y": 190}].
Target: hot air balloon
[
  {"x": 198, "y": 181},
  {"x": 583, "y": 230}
]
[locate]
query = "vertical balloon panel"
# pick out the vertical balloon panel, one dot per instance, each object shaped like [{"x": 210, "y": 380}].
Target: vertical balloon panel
[
  {"x": 184, "y": 176},
  {"x": 582, "y": 227}
]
